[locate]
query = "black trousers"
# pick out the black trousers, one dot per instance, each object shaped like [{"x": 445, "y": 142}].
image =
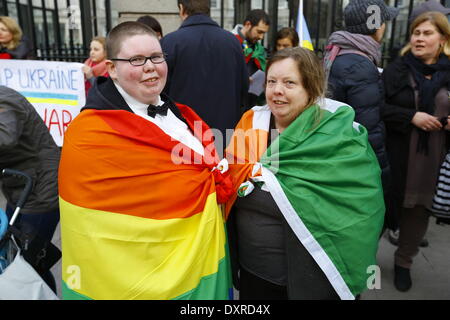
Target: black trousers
[{"x": 255, "y": 288}]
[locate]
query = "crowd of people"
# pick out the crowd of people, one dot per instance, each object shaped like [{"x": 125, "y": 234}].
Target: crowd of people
[{"x": 158, "y": 201}]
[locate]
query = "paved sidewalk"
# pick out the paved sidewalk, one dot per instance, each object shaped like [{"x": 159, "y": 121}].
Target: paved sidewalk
[{"x": 430, "y": 272}]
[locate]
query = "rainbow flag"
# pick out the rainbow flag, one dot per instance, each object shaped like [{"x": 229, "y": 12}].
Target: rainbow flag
[
  {"x": 137, "y": 220},
  {"x": 302, "y": 30},
  {"x": 325, "y": 178}
]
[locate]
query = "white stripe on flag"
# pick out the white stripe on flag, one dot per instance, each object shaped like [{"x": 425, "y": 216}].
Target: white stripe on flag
[{"x": 305, "y": 237}]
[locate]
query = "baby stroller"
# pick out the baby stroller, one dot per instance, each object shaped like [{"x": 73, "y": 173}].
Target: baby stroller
[{"x": 18, "y": 278}]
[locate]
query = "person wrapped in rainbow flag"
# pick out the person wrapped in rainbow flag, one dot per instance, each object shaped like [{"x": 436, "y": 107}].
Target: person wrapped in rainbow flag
[{"x": 140, "y": 187}]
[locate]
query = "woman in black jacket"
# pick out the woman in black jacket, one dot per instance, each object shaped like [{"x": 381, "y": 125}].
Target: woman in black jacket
[
  {"x": 353, "y": 77},
  {"x": 416, "y": 113}
]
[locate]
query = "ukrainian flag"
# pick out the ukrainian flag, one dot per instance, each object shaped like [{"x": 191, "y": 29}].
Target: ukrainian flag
[{"x": 302, "y": 29}]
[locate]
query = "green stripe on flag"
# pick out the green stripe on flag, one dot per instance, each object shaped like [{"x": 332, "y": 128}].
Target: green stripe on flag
[
  {"x": 69, "y": 294},
  {"x": 209, "y": 286}
]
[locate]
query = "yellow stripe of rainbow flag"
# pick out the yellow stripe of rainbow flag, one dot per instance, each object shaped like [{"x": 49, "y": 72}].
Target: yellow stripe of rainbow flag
[{"x": 155, "y": 266}]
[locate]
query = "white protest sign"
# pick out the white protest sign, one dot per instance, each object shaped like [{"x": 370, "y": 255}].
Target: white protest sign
[{"x": 55, "y": 89}]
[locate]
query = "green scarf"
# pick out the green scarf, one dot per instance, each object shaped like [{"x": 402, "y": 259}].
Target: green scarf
[{"x": 258, "y": 53}]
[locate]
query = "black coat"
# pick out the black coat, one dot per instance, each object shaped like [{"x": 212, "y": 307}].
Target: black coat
[
  {"x": 207, "y": 71},
  {"x": 26, "y": 145},
  {"x": 24, "y": 50},
  {"x": 355, "y": 80},
  {"x": 397, "y": 113}
]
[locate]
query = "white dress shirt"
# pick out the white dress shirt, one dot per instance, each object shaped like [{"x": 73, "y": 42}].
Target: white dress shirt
[{"x": 170, "y": 124}]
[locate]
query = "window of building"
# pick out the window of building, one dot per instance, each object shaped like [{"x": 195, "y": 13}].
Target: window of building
[{"x": 215, "y": 4}]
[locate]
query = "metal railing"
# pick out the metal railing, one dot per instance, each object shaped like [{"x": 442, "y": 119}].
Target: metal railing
[{"x": 76, "y": 53}]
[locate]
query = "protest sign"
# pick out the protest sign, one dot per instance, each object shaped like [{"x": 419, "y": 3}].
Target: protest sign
[{"x": 55, "y": 89}]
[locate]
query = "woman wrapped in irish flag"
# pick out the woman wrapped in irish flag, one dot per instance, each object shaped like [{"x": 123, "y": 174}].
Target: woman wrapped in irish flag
[
  {"x": 140, "y": 187},
  {"x": 308, "y": 208}
]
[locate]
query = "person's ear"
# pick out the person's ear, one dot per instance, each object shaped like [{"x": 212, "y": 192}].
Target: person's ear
[
  {"x": 181, "y": 12},
  {"x": 112, "y": 71},
  {"x": 246, "y": 28},
  {"x": 444, "y": 39}
]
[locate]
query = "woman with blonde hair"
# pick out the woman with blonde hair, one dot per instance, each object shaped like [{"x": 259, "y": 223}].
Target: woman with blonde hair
[
  {"x": 417, "y": 87},
  {"x": 12, "y": 42}
]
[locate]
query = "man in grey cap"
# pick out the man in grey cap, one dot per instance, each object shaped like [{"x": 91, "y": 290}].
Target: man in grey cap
[
  {"x": 430, "y": 5},
  {"x": 367, "y": 16},
  {"x": 351, "y": 62}
]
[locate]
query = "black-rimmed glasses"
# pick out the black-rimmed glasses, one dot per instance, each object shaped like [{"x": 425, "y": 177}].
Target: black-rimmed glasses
[{"x": 141, "y": 60}]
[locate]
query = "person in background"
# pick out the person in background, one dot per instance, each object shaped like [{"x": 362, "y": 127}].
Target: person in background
[
  {"x": 417, "y": 86},
  {"x": 351, "y": 62},
  {"x": 250, "y": 34},
  {"x": 95, "y": 65},
  {"x": 13, "y": 45},
  {"x": 430, "y": 5},
  {"x": 308, "y": 206},
  {"x": 26, "y": 145},
  {"x": 207, "y": 70},
  {"x": 152, "y": 23},
  {"x": 286, "y": 38}
]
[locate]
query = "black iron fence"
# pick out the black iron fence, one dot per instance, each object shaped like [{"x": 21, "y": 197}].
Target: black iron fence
[
  {"x": 75, "y": 53},
  {"x": 326, "y": 16},
  {"x": 62, "y": 29}
]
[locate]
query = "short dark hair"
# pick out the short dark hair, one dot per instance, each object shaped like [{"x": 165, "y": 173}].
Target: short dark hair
[
  {"x": 152, "y": 23},
  {"x": 289, "y": 33},
  {"x": 257, "y": 15},
  {"x": 123, "y": 31},
  {"x": 192, "y": 7}
]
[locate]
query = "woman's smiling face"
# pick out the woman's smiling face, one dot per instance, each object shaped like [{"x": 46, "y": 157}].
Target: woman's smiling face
[{"x": 285, "y": 93}]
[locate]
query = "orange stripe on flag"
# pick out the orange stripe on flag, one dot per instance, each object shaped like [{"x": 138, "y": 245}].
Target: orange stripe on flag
[{"x": 96, "y": 159}]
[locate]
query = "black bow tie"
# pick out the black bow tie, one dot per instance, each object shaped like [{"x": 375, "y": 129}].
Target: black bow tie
[{"x": 162, "y": 110}]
